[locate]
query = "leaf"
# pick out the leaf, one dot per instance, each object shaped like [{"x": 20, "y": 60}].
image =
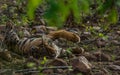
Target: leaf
[
  {"x": 30, "y": 64},
  {"x": 69, "y": 50},
  {"x": 44, "y": 60},
  {"x": 105, "y": 6},
  {"x": 101, "y": 35},
  {"x": 113, "y": 16},
  {"x": 31, "y": 7},
  {"x": 56, "y": 13},
  {"x": 84, "y": 6},
  {"x": 73, "y": 5}
]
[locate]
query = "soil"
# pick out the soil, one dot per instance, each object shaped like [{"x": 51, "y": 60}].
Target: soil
[{"x": 101, "y": 47}]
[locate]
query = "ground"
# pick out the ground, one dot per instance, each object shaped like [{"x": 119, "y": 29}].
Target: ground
[{"x": 101, "y": 47}]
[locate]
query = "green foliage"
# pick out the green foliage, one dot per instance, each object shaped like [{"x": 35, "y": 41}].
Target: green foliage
[
  {"x": 84, "y": 5},
  {"x": 101, "y": 35},
  {"x": 58, "y": 10},
  {"x": 4, "y": 18},
  {"x": 69, "y": 51},
  {"x": 109, "y": 7},
  {"x": 4, "y": 6},
  {"x": 31, "y": 7},
  {"x": 80, "y": 8},
  {"x": 105, "y": 6},
  {"x": 30, "y": 64},
  {"x": 55, "y": 14},
  {"x": 113, "y": 16},
  {"x": 44, "y": 60},
  {"x": 113, "y": 57}
]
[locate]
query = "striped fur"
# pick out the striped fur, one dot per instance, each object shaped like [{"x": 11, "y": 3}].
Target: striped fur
[
  {"x": 11, "y": 38},
  {"x": 26, "y": 46}
]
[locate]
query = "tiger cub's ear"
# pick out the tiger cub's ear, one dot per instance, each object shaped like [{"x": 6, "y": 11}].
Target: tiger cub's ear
[{"x": 9, "y": 25}]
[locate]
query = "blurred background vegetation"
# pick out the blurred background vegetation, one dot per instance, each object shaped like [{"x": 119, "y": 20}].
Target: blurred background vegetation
[
  {"x": 61, "y": 12},
  {"x": 57, "y": 11}
]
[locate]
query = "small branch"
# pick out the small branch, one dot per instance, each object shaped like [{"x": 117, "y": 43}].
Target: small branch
[{"x": 42, "y": 68}]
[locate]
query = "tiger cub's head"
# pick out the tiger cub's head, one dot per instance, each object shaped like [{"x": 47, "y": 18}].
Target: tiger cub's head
[
  {"x": 9, "y": 26},
  {"x": 11, "y": 37}
]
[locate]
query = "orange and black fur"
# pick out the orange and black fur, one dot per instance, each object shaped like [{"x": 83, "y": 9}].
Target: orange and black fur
[
  {"x": 64, "y": 34},
  {"x": 26, "y": 46}
]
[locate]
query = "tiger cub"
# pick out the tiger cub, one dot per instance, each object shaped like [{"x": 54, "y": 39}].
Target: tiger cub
[{"x": 27, "y": 46}]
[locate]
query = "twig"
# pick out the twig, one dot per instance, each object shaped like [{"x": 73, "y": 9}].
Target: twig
[{"x": 42, "y": 68}]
